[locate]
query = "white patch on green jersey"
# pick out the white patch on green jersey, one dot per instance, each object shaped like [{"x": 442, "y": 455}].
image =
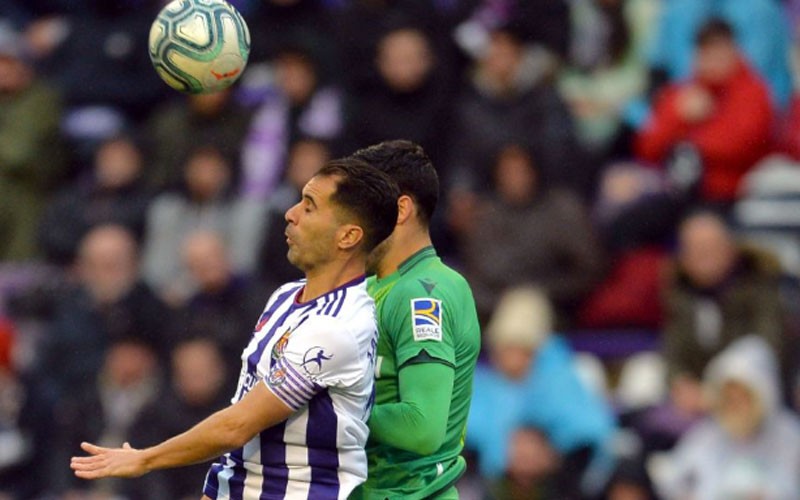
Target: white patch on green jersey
[{"x": 426, "y": 318}]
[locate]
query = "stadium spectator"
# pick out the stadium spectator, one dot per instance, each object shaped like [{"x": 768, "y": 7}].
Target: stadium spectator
[
  {"x": 30, "y": 159},
  {"x": 760, "y": 28},
  {"x": 104, "y": 45},
  {"x": 605, "y": 70},
  {"x": 306, "y": 157},
  {"x": 360, "y": 25},
  {"x": 178, "y": 126},
  {"x": 723, "y": 111},
  {"x": 224, "y": 304},
  {"x": 509, "y": 100},
  {"x": 750, "y": 445},
  {"x": 410, "y": 99},
  {"x": 195, "y": 392},
  {"x": 205, "y": 202},
  {"x": 635, "y": 216},
  {"x": 295, "y": 102},
  {"x": 543, "y": 25},
  {"x": 716, "y": 291},
  {"x": 113, "y": 193},
  {"x": 108, "y": 303},
  {"x": 635, "y": 207},
  {"x": 274, "y": 24},
  {"x": 534, "y": 379},
  {"x": 530, "y": 234},
  {"x": 17, "y": 445},
  {"x": 6, "y": 343},
  {"x": 105, "y": 410},
  {"x": 532, "y": 467},
  {"x": 630, "y": 481}
]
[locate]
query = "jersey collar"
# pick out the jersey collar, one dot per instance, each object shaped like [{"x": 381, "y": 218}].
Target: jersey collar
[
  {"x": 426, "y": 253},
  {"x": 358, "y": 280}
]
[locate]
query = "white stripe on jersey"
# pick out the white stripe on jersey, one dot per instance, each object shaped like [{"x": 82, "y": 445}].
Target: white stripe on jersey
[
  {"x": 253, "y": 482},
  {"x": 299, "y": 477},
  {"x": 224, "y": 477}
]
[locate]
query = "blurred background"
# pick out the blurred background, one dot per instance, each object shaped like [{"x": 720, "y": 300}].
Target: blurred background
[{"x": 621, "y": 187}]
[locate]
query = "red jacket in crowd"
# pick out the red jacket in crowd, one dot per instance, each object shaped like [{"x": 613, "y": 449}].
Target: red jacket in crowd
[{"x": 736, "y": 134}]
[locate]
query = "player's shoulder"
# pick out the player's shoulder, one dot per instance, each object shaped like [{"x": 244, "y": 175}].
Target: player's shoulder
[
  {"x": 432, "y": 278},
  {"x": 291, "y": 286}
]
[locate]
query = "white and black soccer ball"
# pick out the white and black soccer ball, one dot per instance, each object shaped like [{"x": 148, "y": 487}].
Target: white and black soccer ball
[{"x": 199, "y": 46}]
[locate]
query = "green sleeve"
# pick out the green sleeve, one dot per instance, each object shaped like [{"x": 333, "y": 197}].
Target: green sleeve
[
  {"x": 418, "y": 422},
  {"x": 417, "y": 320}
]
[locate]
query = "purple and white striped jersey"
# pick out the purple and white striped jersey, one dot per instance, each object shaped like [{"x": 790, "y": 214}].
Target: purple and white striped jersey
[{"x": 318, "y": 358}]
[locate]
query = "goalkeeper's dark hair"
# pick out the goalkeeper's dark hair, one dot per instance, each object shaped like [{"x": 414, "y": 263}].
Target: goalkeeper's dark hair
[{"x": 412, "y": 170}]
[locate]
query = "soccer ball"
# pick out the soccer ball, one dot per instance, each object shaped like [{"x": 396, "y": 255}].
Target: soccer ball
[{"x": 199, "y": 46}]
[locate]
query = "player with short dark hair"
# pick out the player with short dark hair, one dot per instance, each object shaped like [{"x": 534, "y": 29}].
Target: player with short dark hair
[
  {"x": 296, "y": 427},
  {"x": 428, "y": 345},
  {"x": 359, "y": 195}
]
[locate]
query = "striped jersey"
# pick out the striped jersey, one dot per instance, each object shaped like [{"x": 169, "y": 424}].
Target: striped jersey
[{"x": 318, "y": 358}]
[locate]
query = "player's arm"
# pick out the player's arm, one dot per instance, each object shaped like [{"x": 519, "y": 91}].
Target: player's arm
[
  {"x": 418, "y": 423},
  {"x": 223, "y": 431}
]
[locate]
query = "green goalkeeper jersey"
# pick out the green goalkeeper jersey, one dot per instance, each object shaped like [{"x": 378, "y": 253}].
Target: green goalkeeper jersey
[{"x": 424, "y": 306}]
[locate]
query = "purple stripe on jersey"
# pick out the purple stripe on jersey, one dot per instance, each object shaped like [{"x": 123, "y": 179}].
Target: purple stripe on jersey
[
  {"x": 298, "y": 379},
  {"x": 273, "y": 460},
  {"x": 252, "y": 360},
  {"x": 334, "y": 299},
  {"x": 302, "y": 320},
  {"x": 327, "y": 299},
  {"x": 211, "y": 487},
  {"x": 323, "y": 455},
  {"x": 297, "y": 391},
  {"x": 294, "y": 390},
  {"x": 236, "y": 482},
  {"x": 341, "y": 302},
  {"x": 291, "y": 400}
]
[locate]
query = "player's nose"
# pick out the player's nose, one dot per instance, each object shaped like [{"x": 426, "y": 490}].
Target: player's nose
[{"x": 291, "y": 214}]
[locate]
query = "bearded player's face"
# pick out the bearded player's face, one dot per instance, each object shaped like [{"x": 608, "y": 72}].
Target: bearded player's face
[{"x": 312, "y": 225}]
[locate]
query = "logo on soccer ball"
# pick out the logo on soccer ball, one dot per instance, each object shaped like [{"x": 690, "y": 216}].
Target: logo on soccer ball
[
  {"x": 313, "y": 358},
  {"x": 199, "y": 46}
]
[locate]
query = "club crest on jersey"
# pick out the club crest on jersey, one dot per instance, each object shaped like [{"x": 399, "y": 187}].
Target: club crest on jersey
[
  {"x": 276, "y": 376},
  {"x": 280, "y": 345},
  {"x": 313, "y": 358},
  {"x": 426, "y": 318}
]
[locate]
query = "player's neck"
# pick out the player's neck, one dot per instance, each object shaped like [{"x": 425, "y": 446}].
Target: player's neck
[
  {"x": 331, "y": 276},
  {"x": 406, "y": 241}
]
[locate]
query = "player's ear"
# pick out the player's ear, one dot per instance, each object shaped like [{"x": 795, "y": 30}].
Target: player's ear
[
  {"x": 405, "y": 209},
  {"x": 349, "y": 236}
]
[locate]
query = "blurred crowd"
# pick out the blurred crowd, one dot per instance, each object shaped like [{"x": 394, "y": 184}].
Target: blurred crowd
[{"x": 621, "y": 188}]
